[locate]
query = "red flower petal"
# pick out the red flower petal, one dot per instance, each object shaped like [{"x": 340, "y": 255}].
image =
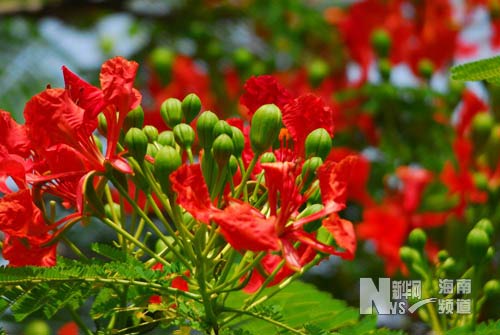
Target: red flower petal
[
  {"x": 13, "y": 135},
  {"x": 117, "y": 80},
  {"x": 88, "y": 97},
  {"x": 333, "y": 180},
  {"x": 305, "y": 114},
  {"x": 263, "y": 90},
  {"x": 245, "y": 228},
  {"x": 24, "y": 252},
  {"x": 192, "y": 192},
  {"x": 343, "y": 232}
]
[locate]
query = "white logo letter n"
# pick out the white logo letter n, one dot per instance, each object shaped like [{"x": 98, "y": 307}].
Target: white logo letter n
[{"x": 370, "y": 296}]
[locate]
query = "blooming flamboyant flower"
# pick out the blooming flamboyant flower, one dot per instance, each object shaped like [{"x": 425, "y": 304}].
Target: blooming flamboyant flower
[{"x": 389, "y": 223}]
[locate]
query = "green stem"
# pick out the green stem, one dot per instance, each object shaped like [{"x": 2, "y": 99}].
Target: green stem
[
  {"x": 246, "y": 176},
  {"x": 265, "y": 318},
  {"x": 79, "y": 322}
]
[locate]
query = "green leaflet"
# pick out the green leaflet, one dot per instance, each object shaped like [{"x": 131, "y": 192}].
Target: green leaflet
[
  {"x": 70, "y": 283},
  {"x": 305, "y": 308},
  {"x": 486, "y": 69},
  {"x": 486, "y": 328}
]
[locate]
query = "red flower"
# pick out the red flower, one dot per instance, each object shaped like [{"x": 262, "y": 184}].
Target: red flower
[
  {"x": 305, "y": 114},
  {"x": 245, "y": 228},
  {"x": 29, "y": 251},
  {"x": 13, "y": 137},
  {"x": 388, "y": 224},
  {"x": 20, "y": 217},
  {"x": 263, "y": 90},
  {"x": 69, "y": 328}
]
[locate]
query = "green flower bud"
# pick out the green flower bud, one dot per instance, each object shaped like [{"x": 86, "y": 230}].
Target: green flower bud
[
  {"x": 385, "y": 68},
  {"x": 489, "y": 255},
  {"x": 238, "y": 141},
  {"x": 233, "y": 165},
  {"x": 318, "y": 143},
  {"x": 426, "y": 68},
  {"x": 167, "y": 160},
  {"x": 152, "y": 150},
  {"x": 417, "y": 239},
  {"x": 477, "y": 244},
  {"x": 222, "y": 127},
  {"x": 184, "y": 135},
  {"x": 265, "y": 128},
  {"x": 486, "y": 225},
  {"x": 112, "y": 211},
  {"x": 151, "y": 133},
  {"x": 492, "y": 288},
  {"x": 268, "y": 157},
  {"x": 191, "y": 107},
  {"x": 409, "y": 255},
  {"x": 309, "y": 171},
  {"x": 222, "y": 149},
  {"x": 442, "y": 255},
  {"x": 166, "y": 137},
  {"x": 449, "y": 265},
  {"x": 204, "y": 128},
  {"x": 134, "y": 119},
  {"x": 318, "y": 70},
  {"x": 381, "y": 42},
  {"x": 481, "y": 181},
  {"x": 37, "y": 327},
  {"x": 171, "y": 112},
  {"x": 242, "y": 59},
  {"x": 481, "y": 127},
  {"x": 493, "y": 147},
  {"x": 162, "y": 60},
  {"x": 102, "y": 124},
  {"x": 137, "y": 143}
]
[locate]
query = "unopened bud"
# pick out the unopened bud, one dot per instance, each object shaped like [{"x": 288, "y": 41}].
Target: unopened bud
[
  {"x": 134, "y": 119},
  {"x": 222, "y": 149},
  {"x": 137, "y": 143},
  {"x": 385, "y": 68},
  {"x": 191, "y": 107},
  {"x": 493, "y": 147},
  {"x": 426, "y": 68},
  {"x": 242, "y": 59},
  {"x": 309, "y": 171},
  {"x": 409, "y": 255},
  {"x": 162, "y": 60},
  {"x": 112, "y": 211},
  {"x": 265, "y": 128},
  {"x": 222, "y": 127},
  {"x": 442, "y": 255},
  {"x": 381, "y": 42},
  {"x": 268, "y": 157},
  {"x": 167, "y": 160},
  {"x": 204, "y": 128},
  {"x": 318, "y": 143},
  {"x": 486, "y": 225},
  {"x": 233, "y": 165},
  {"x": 238, "y": 141},
  {"x": 184, "y": 135},
  {"x": 492, "y": 288},
  {"x": 477, "y": 244},
  {"x": 166, "y": 138},
  {"x": 318, "y": 70},
  {"x": 152, "y": 150},
  {"x": 417, "y": 239},
  {"x": 171, "y": 112},
  {"x": 151, "y": 133},
  {"x": 481, "y": 127}
]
